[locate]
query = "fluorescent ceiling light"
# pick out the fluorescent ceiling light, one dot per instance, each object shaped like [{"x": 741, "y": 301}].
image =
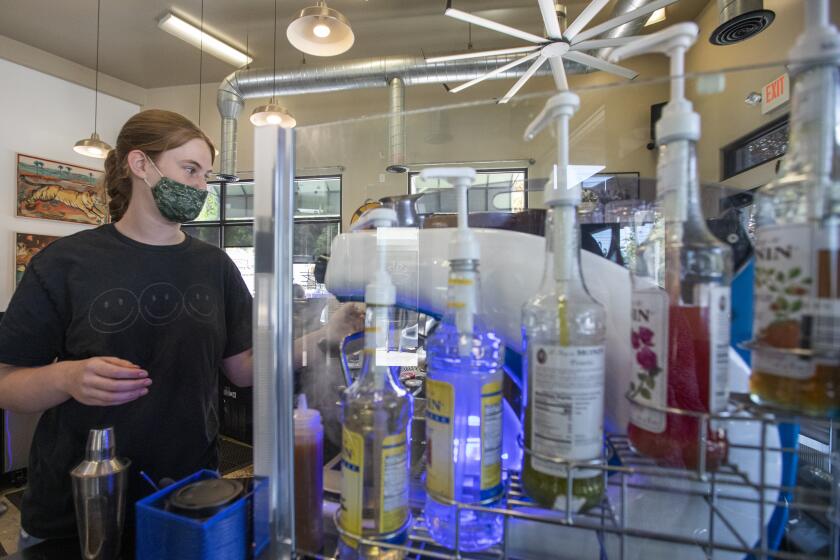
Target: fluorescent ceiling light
[
  {"x": 656, "y": 17},
  {"x": 202, "y": 40}
]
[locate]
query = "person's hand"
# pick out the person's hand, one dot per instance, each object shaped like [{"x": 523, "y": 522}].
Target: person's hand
[
  {"x": 349, "y": 319},
  {"x": 105, "y": 381}
]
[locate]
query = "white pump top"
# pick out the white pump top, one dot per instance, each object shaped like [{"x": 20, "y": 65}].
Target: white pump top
[
  {"x": 679, "y": 121},
  {"x": 819, "y": 42},
  {"x": 381, "y": 290},
  {"x": 558, "y": 110},
  {"x": 463, "y": 245}
]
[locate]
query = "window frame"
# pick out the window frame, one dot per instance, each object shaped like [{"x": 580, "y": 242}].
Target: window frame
[
  {"x": 523, "y": 170},
  {"x": 224, "y": 221},
  {"x": 729, "y": 166},
  {"x": 340, "y": 197}
]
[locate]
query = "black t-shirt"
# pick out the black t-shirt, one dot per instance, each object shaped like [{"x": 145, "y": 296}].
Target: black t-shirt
[{"x": 176, "y": 311}]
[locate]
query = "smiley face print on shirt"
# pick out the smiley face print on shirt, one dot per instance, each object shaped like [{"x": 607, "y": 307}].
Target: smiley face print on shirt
[
  {"x": 159, "y": 304},
  {"x": 113, "y": 311}
]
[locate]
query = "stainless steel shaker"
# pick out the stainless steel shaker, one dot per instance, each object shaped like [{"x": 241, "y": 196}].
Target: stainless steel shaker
[{"x": 99, "y": 492}]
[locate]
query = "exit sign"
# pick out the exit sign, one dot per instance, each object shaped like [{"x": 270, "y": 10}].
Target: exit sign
[{"x": 775, "y": 94}]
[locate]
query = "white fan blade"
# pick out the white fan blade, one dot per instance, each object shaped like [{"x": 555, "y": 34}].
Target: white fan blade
[
  {"x": 621, "y": 20},
  {"x": 600, "y": 64},
  {"x": 559, "y": 73},
  {"x": 481, "y": 54},
  {"x": 593, "y": 44},
  {"x": 495, "y": 72},
  {"x": 490, "y": 24},
  {"x": 585, "y": 17},
  {"x": 524, "y": 78},
  {"x": 552, "y": 26}
]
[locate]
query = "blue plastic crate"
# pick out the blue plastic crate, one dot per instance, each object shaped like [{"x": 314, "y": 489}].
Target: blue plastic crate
[{"x": 163, "y": 535}]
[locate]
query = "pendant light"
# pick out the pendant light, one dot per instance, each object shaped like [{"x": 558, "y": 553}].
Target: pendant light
[
  {"x": 273, "y": 114},
  {"x": 94, "y": 146},
  {"x": 321, "y": 31}
]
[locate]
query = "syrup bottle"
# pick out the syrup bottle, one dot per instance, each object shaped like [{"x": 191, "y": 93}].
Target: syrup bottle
[
  {"x": 564, "y": 336},
  {"x": 796, "y": 322},
  {"x": 376, "y": 412},
  {"x": 463, "y": 398},
  {"x": 681, "y": 296}
]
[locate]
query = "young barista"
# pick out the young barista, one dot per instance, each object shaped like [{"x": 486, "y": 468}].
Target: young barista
[{"x": 127, "y": 325}]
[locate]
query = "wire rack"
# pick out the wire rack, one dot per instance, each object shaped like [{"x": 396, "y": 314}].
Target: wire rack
[{"x": 628, "y": 475}]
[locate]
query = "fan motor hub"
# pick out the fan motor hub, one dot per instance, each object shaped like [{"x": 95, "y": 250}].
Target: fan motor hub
[{"x": 555, "y": 49}]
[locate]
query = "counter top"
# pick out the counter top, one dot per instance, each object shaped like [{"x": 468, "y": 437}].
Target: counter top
[{"x": 68, "y": 549}]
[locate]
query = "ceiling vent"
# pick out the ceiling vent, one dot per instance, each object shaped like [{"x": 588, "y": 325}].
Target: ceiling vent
[{"x": 740, "y": 20}]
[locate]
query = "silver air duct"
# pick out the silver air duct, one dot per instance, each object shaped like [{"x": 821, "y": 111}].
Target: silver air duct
[
  {"x": 396, "y": 128},
  {"x": 626, "y": 30},
  {"x": 368, "y": 73},
  {"x": 229, "y": 107},
  {"x": 348, "y": 75},
  {"x": 740, "y": 20}
]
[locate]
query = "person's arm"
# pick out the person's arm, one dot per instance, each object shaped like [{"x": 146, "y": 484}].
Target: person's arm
[
  {"x": 239, "y": 368},
  {"x": 350, "y": 318},
  {"x": 103, "y": 381}
]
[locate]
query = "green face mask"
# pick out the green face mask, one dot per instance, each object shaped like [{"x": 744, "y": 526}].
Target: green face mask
[{"x": 176, "y": 201}]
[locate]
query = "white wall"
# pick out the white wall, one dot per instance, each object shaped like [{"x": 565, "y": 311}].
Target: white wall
[{"x": 44, "y": 116}]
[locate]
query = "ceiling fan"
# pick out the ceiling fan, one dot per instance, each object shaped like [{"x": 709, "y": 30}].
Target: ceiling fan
[{"x": 556, "y": 46}]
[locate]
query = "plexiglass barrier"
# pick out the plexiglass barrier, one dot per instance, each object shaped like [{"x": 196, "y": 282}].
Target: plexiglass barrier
[{"x": 648, "y": 511}]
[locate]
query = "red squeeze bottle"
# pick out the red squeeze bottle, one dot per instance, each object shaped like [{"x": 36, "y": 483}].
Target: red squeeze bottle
[{"x": 309, "y": 478}]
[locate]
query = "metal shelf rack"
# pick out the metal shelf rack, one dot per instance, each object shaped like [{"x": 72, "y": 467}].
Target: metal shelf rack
[{"x": 626, "y": 471}]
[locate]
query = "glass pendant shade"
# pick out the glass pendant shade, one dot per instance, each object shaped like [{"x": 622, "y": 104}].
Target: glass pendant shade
[
  {"x": 320, "y": 31},
  {"x": 272, "y": 115},
  {"x": 92, "y": 147}
]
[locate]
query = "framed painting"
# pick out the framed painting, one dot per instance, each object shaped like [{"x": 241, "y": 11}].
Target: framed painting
[
  {"x": 55, "y": 190},
  {"x": 27, "y": 245}
]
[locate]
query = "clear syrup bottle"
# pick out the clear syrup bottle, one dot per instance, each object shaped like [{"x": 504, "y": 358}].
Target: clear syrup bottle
[
  {"x": 463, "y": 399},
  {"x": 681, "y": 293},
  {"x": 796, "y": 322},
  {"x": 376, "y": 417},
  {"x": 564, "y": 336}
]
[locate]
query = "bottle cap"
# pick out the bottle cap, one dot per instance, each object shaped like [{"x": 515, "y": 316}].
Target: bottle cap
[
  {"x": 463, "y": 246},
  {"x": 679, "y": 121},
  {"x": 819, "y": 42},
  {"x": 305, "y": 417},
  {"x": 558, "y": 110}
]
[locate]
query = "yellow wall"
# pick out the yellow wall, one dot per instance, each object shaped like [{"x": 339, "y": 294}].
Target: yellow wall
[
  {"x": 725, "y": 115},
  {"x": 617, "y": 122}
]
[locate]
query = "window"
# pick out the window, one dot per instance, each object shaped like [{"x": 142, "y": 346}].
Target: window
[
  {"x": 760, "y": 146},
  {"x": 227, "y": 221},
  {"x": 494, "y": 190}
]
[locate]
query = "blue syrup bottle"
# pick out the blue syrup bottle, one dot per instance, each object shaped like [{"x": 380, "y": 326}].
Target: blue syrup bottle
[{"x": 463, "y": 400}]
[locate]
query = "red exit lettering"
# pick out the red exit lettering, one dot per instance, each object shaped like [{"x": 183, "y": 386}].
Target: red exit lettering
[{"x": 774, "y": 89}]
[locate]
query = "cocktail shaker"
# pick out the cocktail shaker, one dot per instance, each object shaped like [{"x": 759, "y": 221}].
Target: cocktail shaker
[{"x": 99, "y": 493}]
